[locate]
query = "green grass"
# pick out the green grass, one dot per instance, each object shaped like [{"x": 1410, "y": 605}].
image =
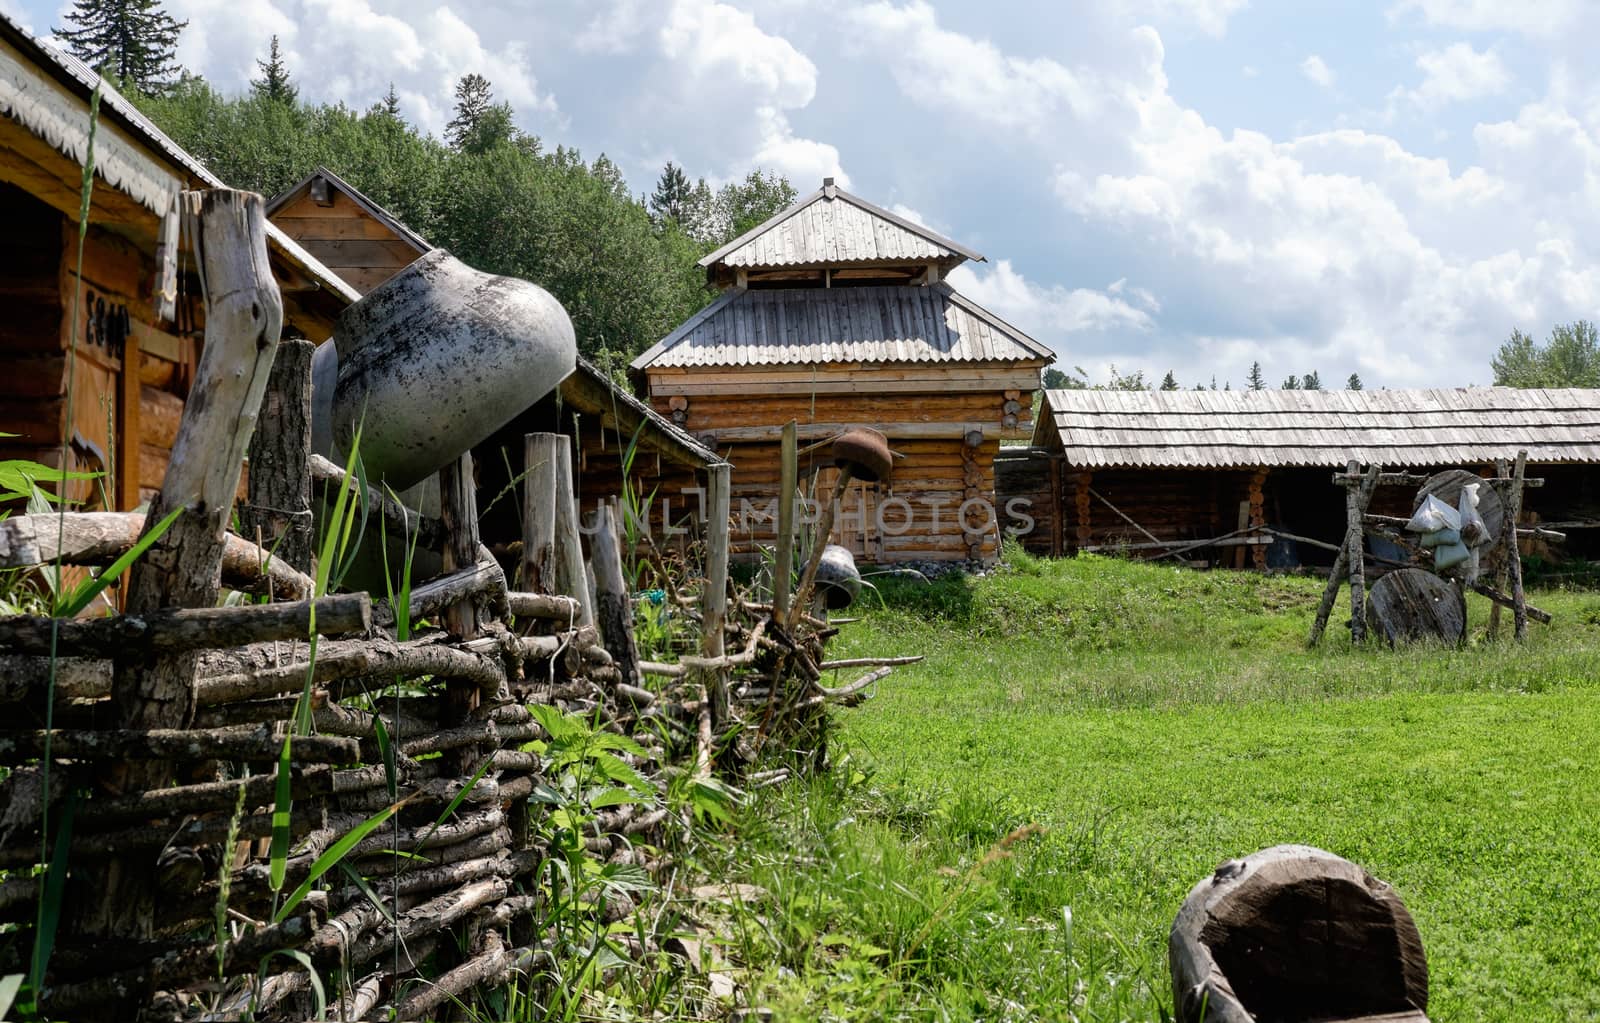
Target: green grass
[{"x": 1156, "y": 722}]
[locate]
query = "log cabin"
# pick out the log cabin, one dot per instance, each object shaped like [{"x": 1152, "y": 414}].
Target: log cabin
[
  {"x": 1145, "y": 472},
  {"x": 100, "y": 353},
  {"x": 365, "y": 245},
  {"x": 836, "y": 313}
]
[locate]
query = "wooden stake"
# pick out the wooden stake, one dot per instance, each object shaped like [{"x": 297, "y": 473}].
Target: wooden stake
[
  {"x": 613, "y": 602},
  {"x": 280, "y": 453},
  {"x": 788, "y": 480},
  {"x": 540, "y": 462},
  {"x": 244, "y": 314},
  {"x": 570, "y": 577},
  {"x": 714, "y": 604},
  {"x": 1502, "y": 468},
  {"x": 1513, "y": 512},
  {"x": 1356, "y": 499}
]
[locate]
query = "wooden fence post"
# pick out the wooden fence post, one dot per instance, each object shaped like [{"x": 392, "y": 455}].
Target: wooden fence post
[
  {"x": 540, "y": 462},
  {"x": 279, "y": 504},
  {"x": 1513, "y": 512},
  {"x": 788, "y": 481},
  {"x": 714, "y": 603},
  {"x": 570, "y": 576},
  {"x": 613, "y": 601},
  {"x": 244, "y": 315}
]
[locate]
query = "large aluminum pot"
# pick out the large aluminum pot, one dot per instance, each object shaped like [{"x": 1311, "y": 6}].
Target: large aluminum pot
[
  {"x": 838, "y": 579},
  {"x": 434, "y": 361}
]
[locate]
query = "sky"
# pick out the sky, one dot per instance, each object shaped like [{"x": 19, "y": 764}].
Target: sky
[{"x": 1381, "y": 187}]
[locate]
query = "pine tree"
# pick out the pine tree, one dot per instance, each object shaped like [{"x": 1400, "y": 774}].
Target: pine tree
[
  {"x": 1292, "y": 383},
  {"x": 1169, "y": 382},
  {"x": 274, "y": 83},
  {"x": 1311, "y": 382},
  {"x": 480, "y": 124},
  {"x": 1257, "y": 381},
  {"x": 1354, "y": 383},
  {"x": 133, "y": 42},
  {"x": 390, "y": 104},
  {"x": 672, "y": 194}
]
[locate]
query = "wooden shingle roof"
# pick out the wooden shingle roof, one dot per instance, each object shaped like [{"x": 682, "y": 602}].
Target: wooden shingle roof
[
  {"x": 884, "y": 324},
  {"x": 831, "y": 227},
  {"x": 1236, "y": 429}
]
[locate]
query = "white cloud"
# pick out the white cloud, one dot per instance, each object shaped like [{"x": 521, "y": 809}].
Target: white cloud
[
  {"x": 1317, "y": 70},
  {"x": 715, "y": 42},
  {"x": 1529, "y": 17},
  {"x": 1455, "y": 74},
  {"x": 1209, "y": 16},
  {"x": 1061, "y": 310},
  {"x": 346, "y": 50},
  {"x": 1335, "y": 249}
]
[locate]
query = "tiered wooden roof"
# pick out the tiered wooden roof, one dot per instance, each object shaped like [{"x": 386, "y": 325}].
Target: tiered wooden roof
[
  {"x": 831, "y": 227},
  {"x": 780, "y": 326},
  {"x": 1237, "y": 429}
]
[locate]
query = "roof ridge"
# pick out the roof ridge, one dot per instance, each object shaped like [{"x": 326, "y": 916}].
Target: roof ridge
[{"x": 379, "y": 213}]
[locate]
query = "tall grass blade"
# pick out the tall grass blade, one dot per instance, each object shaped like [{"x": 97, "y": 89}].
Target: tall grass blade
[
  {"x": 317, "y": 992},
  {"x": 282, "y": 807},
  {"x": 55, "y": 886},
  {"x": 366, "y": 889},
  {"x": 71, "y": 604},
  {"x": 331, "y": 857}
]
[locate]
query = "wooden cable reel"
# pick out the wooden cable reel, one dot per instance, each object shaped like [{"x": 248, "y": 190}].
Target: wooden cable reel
[{"x": 1412, "y": 604}]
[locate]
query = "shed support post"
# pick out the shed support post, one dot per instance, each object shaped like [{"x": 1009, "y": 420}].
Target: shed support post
[
  {"x": 1358, "y": 494},
  {"x": 1080, "y": 500},
  {"x": 1258, "y": 518}
]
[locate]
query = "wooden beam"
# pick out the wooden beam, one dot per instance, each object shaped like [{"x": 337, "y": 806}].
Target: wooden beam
[{"x": 903, "y": 431}]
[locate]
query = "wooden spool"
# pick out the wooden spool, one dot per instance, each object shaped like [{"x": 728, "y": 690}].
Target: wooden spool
[
  {"x": 1293, "y": 934},
  {"x": 1412, "y": 604}
]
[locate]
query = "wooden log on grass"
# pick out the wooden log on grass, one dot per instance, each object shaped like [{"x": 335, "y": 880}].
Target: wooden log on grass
[{"x": 1296, "y": 933}]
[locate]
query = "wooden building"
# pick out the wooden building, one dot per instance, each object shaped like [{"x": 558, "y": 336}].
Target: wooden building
[
  {"x": 131, "y": 321},
  {"x": 350, "y": 234},
  {"x": 366, "y": 245},
  {"x": 836, "y": 313},
  {"x": 1150, "y": 471}
]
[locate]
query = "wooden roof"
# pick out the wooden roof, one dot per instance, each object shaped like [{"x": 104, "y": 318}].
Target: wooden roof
[
  {"x": 372, "y": 209},
  {"x": 1238, "y": 429},
  {"x": 592, "y": 391},
  {"x": 831, "y": 227},
  {"x": 879, "y": 324},
  {"x": 131, "y": 154}
]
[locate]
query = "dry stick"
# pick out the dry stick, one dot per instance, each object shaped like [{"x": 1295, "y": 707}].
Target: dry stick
[
  {"x": 802, "y": 595},
  {"x": 845, "y": 692},
  {"x": 570, "y": 576},
  {"x": 279, "y": 503},
  {"x": 244, "y": 314},
  {"x": 486, "y": 969},
  {"x": 714, "y": 602},
  {"x": 484, "y": 578},
  {"x": 181, "y": 632},
  {"x": 547, "y": 606},
  {"x": 1513, "y": 511},
  {"x": 1129, "y": 520},
  {"x": 158, "y": 744},
  {"x": 1500, "y": 599},
  {"x": 99, "y": 538},
  {"x": 869, "y": 662},
  {"x": 400, "y": 520}
]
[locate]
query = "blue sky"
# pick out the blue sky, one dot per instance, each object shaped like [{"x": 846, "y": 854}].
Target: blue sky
[{"x": 1377, "y": 187}]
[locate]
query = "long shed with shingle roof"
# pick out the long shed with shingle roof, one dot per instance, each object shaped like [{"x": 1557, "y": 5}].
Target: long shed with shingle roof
[
  {"x": 1110, "y": 467},
  {"x": 836, "y": 313}
]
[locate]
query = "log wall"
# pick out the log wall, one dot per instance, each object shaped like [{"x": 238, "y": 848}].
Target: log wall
[
  {"x": 915, "y": 515},
  {"x": 345, "y": 238}
]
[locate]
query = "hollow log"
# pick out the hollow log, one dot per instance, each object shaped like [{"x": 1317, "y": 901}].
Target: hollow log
[
  {"x": 136, "y": 635},
  {"x": 1296, "y": 934}
]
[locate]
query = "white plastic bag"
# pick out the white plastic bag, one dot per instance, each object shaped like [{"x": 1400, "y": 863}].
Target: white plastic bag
[
  {"x": 1433, "y": 516},
  {"x": 1474, "y": 533}
]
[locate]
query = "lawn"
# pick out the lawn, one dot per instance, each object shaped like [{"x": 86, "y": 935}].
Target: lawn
[{"x": 1154, "y": 722}]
